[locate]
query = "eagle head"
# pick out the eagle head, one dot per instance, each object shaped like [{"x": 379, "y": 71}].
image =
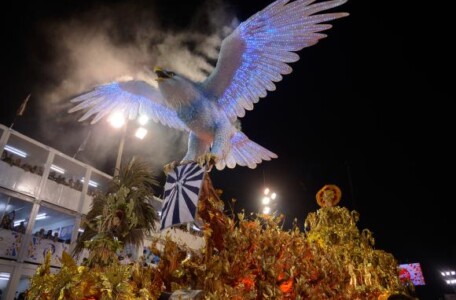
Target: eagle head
[
  {"x": 163, "y": 74},
  {"x": 176, "y": 89}
]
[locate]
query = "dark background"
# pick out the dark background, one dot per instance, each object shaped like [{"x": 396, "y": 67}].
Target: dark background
[{"x": 368, "y": 109}]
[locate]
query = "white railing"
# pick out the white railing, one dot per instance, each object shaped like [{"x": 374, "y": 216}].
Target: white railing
[{"x": 34, "y": 177}]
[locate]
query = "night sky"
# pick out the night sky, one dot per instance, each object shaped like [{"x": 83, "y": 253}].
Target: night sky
[{"x": 367, "y": 109}]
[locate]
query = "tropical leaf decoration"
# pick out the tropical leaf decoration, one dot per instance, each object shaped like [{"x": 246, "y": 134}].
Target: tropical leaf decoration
[{"x": 124, "y": 211}]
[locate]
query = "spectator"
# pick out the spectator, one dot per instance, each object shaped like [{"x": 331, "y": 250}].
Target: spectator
[
  {"x": 8, "y": 220},
  {"x": 55, "y": 237},
  {"x": 21, "y": 228},
  {"x": 40, "y": 233},
  {"x": 48, "y": 235},
  {"x": 5, "y": 221}
]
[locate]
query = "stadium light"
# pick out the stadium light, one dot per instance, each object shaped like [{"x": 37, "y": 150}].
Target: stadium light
[{"x": 268, "y": 201}]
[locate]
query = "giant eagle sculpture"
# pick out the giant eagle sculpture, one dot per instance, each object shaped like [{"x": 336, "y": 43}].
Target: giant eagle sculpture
[{"x": 251, "y": 59}]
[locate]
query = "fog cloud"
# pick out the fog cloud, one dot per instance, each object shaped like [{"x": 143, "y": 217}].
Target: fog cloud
[{"x": 112, "y": 43}]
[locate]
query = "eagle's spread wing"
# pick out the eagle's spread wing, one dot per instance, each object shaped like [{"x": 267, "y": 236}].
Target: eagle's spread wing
[
  {"x": 255, "y": 55},
  {"x": 132, "y": 98}
]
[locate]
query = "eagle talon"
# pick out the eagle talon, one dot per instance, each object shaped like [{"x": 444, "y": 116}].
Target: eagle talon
[
  {"x": 207, "y": 159},
  {"x": 169, "y": 167}
]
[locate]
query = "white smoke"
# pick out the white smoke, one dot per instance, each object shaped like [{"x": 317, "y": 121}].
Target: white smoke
[{"x": 97, "y": 47}]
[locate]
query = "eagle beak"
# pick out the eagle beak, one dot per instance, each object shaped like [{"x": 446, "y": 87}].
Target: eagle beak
[{"x": 161, "y": 74}]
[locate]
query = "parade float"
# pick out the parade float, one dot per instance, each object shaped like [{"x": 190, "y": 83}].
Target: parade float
[{"x": 245, "y": 257}]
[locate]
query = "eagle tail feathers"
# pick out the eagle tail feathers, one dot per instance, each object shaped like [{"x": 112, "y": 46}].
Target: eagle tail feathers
[{"x": 244, "y": 152}]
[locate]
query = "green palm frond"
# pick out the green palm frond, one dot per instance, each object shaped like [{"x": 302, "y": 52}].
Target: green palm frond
[
  {"x": 135, "y": 175},
  {"x": 125, "y": 210}
]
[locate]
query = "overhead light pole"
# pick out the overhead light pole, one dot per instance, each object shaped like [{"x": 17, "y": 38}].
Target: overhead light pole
[
  {"x": 120, "y": 150},
  {"x": 117, "y": 120}
]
